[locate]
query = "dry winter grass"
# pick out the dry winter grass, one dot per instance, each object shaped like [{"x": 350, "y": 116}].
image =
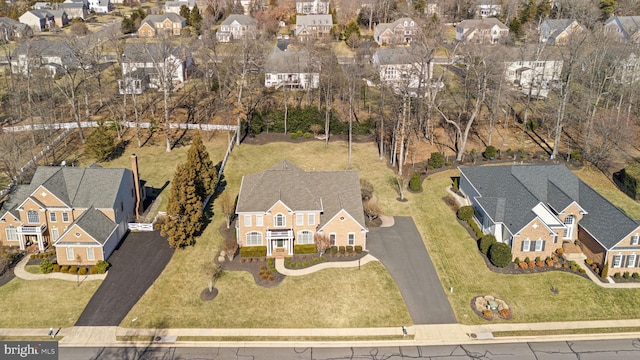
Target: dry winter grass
[{"x": 330, "y": 298}]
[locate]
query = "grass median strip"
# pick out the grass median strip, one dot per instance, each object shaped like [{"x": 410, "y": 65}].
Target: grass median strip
[
  {"x": 613, "y": 330},
  {"x": 271, "y": 338}
]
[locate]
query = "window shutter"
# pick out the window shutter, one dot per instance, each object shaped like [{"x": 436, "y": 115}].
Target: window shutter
[
  {"x": 543, "y": 244},
  {"x": 623, "y": 261},
  {"x": 522, "y": 247}
]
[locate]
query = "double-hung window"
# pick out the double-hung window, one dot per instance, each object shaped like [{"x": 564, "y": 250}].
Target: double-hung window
[
  {"x": 526, "y": 244},
  {"x": 259, "y": 220},
  {"x": 247, "y": 220},
  {"x": 635, "y": 239},
  {"x": 52, "y": 216},
  {"x": 312, "y": 219},
  {"x": 279, "y": 221},
  {"x": 631, "y": 260},
  {"x": 299, "y": 219},
  {"x": 617, "y": 261},
  {"x": 351, "y": 239}
]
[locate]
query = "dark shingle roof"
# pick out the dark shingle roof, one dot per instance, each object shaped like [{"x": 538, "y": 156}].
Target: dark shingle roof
[
  {"x": 96, "y": 224},
  {"x": 150, "y": 52},
  {"x": 523, "y": 187},
  {"x": 152, "y": 19},
  {"x": 290, "y": 61},
  {"x": 326, "y": 191},
  {"x": 400, "y": 55}
]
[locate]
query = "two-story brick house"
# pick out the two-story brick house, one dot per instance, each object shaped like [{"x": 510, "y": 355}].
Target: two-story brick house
[
  {"x": 401, "y": 31},
  {"x": 535, "y": 208},
  {"x": 167, "y": 23},
  {"x": 82, "y": 212},
  {"x": 285, "y": 206}
]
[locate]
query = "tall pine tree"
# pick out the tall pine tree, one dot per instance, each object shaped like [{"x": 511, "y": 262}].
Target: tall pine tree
[
  {"x": 184, "y": 211},
  {"x": 205, "y": 171}
]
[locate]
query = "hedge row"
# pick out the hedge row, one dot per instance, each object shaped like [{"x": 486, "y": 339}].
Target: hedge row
[
  {"x": 301, "y": 119},
  {"x": 253, "y": 251},
  {"x": 305, "y": 249}
]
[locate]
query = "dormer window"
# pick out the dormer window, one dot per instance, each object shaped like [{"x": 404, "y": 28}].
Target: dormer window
[
  {"x": 413, "y": 24},
  {"x": 406, "y": 23}
]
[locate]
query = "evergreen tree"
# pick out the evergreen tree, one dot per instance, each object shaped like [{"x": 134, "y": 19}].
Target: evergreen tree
[
  {"x": 543, "y": 10},
  {"x": 352, "y": 28},
  {"x": 528, "y": 12},
  {"x": 607, "y": 7},
  {"x": 195, "y": 17},
  {"x": 184, "y": 210},
  {"x": 185, "y": 13},
  {"x": 101, "y": 144},
  {"x": 205, "y": 171}
]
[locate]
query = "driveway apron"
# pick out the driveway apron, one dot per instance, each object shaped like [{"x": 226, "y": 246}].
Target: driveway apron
[
  {"x": 135, "y": 265},
  {"x": 401, "y": 249}
]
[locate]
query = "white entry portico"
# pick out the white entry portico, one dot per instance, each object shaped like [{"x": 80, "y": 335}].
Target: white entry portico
[{"x": 280, "y": 241}]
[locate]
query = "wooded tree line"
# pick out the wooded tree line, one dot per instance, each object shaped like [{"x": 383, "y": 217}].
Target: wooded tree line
[{"x": 590, "y": 109}]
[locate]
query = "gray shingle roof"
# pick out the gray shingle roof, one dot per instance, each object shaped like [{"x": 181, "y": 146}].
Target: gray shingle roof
[
  {"x": 629, "y": 24},
  {"x": 241, "y": 19},
  {"x": 520, "y": 188},
  {"x": 400, "y": 55},
  {"x": 96, "y": 224},
  {"x": 487, "y": 23},
  {"x": 326, "y": 191},
  {"x": 149, "y": 52},
  {"x": 314, "y": 20},
  {"x": 44, "y": 48},
  {"x": 382, "y": 27},
  {"x": 290, "y": 61},
  {"x": 152, "y": 19}
]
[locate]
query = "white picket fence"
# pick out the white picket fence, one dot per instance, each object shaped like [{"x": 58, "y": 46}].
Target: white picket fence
[
  {"x": 145, "y": 226},
  {"x": 128, "y": 124}
]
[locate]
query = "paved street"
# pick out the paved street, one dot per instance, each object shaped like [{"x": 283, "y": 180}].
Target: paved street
[
  {"x": 560, "y": 350},
  {"x": 136, "y": 264},
  {"x": 401, "y": 249}
]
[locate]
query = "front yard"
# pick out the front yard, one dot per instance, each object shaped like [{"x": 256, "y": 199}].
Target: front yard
[{"x": 331, "y": 298}]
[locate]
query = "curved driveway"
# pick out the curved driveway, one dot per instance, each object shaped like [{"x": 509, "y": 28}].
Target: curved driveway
[{"x": 401, "y": 249}]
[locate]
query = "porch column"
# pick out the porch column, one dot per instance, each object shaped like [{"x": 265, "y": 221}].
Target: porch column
[
  {"x": 268, "y": 244},
  {"x": 21, "y": 241},
  {"x": 290, "y": 247},
  {"x": 40, "y": 244}
]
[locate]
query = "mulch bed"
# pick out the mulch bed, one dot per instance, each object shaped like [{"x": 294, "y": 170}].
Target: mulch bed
[
  {"x": 495, "y": 313},
  {"x": 513, "y": 269},
  {"x": 310, "y": 259},
  {"x": 255, "y": 266}
]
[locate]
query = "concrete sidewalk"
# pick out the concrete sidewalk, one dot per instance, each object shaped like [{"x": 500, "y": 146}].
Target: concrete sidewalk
[
  {"x": 423, "y": 335},
  {"x": 321, "y": 266},
  {"x": 20, "y": 272}
]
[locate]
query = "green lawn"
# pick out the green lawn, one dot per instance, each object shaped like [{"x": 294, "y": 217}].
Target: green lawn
[
  {"x": 43, "y": 303},
  {"x": 329, "y": 298}
]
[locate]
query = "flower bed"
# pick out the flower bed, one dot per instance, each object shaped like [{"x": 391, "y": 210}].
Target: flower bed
[{"x": 489, "y": 307}]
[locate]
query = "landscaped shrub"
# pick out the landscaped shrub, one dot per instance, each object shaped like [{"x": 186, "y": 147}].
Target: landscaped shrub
[
  {"x": 617, "y": 275},
  {"x": 626, "y": 275},
  {"x": 605, "y": 270},
  {"x": 316, "y": 260},
  {"x": 505, "y": 313},
  {"x": 455, "y": 185},
  {"x": 102, "y": 266},
  {"x": 475, "y": 228},
  {"x": 465, "y": 213},
  {"x": 560, "y": 251},
  {"x": 73, "y": 270},
  {"x": 64, "y": 269},
  {"x": 93, "y": 270},
  {"x": 415, "y": 182},
  {"x": 46, "y": 266},
  {"x": 56, "y": 268},
  {"x": 635, "y": 275},
  {"x": 82, "y": 271},
  {"x": 253, "y": 251},
  {"x": 500, "y": 254},
  {"x": 342, "y": 250},
  {"x": 630, "y": 178},
  {"x": 523, "y": 265},
  {"x": 307, "y": 135},
  {"x": 490, "y": 152},
  {"x": 589, "y": 261},
  {"x": 305, "y": 249},
  {"x": 487, "y": 314},
  {"x": 294, "y": 136},
  {"x": 486, "y": 242},
  {"x": 516, "y": 261},
  {"x": 358, "y": 249},
  {"x": 334, "y": 250},
  {"x": 436, "y": 160}
]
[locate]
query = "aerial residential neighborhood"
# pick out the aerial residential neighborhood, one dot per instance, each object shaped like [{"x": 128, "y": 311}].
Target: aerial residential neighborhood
[{"x": 340, "y": 176}]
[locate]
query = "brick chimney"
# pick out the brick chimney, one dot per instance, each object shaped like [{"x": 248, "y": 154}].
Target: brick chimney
[{"x": 136, "y": 182}]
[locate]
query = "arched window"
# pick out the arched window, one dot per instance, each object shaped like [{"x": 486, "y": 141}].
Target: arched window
[
  {"x": 254, "y": 238},
  {"x": 305, "y": 237},
  {"x": 279, "y": 221},
  {"x": 33, "y": 217}
]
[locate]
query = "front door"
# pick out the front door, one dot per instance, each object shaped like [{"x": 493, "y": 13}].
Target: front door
[{"x": 279, "y": 243}]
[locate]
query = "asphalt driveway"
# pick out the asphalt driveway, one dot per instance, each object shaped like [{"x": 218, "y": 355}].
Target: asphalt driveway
[
  {"x": 135, "y": 265},
  {"x": 401, "y": 250}
]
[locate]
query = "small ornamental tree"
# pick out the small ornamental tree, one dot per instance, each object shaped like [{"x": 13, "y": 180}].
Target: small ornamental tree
[
  {"x": 366, "y": 189},
  {"x": 227, "y": 203},
  {"x": 465, "y": 213},
  {"x": 490, "y": 152},
  {"x": 436, "y": 160},
  {"x": 500, "y": 254},
  {"x": 605, "y": 270},
  {"x": 486, "y": 242},
  {"x": 371, "y": 209},
  {"x": 415, "y": 182},
  {"x": 323, "y": 242}
]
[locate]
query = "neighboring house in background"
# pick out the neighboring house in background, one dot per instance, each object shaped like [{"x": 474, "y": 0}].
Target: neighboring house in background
[
  {"x": 313, "y": 26},
  {"x": 624, "y": 28},
  {"x": 169, "y": 23},
  {"x": 11, "y": 30},
  {"x": 535, "y": 208},
  {"x": 41, "y": 5},
  {"x": 485, "y": 31},
  {"x": 291, "y": 69},
  {"x": 408, "y": 70},
  {"x": 629, "y": 70},
  {"x": 49, "y": 55},
  {"x": 175, "y": 6},
  {"x": 535, "y": 76},
  {"x": 315, "y": 7},
  {"x": 100, "y": 6},
  {"x": 286, "y": 206},
  {"x": 236, "y": 27},
  {"x": 558, "y": 31},
  {"x": 82, "y": 212},
  {"x": 433, "y": 8},
  {"x": 401, "y": 31},
  {"x": 74, "y": 9},
  {"x": 488, "y": 8},
  {"x": 39, "y": 20},
  {"x": 145, "y": 64}
]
